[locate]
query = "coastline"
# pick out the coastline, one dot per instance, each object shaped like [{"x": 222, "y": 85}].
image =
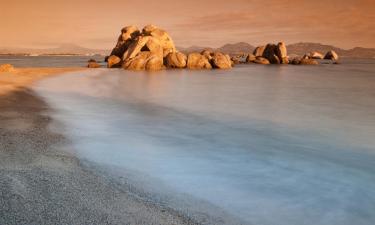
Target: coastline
[
  {"x": 42, "y": 183},
  {"x": 24, "y": 77}
]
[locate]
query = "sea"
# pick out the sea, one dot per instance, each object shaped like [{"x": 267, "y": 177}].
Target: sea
[{"x": 257, "y": 144}]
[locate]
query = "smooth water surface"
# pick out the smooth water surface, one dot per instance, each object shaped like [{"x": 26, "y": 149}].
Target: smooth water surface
[{"x": 266, "y": 144}]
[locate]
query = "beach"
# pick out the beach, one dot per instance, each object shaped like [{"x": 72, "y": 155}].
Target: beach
[{"x": 41, "y": 180}]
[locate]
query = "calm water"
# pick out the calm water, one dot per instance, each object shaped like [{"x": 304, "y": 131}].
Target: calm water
[{"x": 261, "y": 144}]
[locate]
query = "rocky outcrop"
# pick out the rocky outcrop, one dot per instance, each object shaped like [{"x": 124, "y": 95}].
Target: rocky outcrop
[
  {"x": 6, "y": 68},
  {"x": 175, "y": 60},
  {"x": 270, "y": 53},
  {"x": 332, "y": 55},
  {"x": 221, "y": 61},
  {"x": 275, "y": 54},
  {"x": 128, "y": 34},
  {"x": 165, "y": 40},
  {"x": 114, "y": 61},
  {"x": 145, "y": 53},
  {"x": 198, "y": 61}
]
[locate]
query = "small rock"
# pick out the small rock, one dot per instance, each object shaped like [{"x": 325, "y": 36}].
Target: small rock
[
  {"x": 198, "y": 61},
  {"x": 93, "y": 64}
]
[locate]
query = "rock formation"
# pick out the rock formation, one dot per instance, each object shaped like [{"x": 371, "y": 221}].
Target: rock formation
[
  {"x": 331, "y": 55},
  {"x": 6, "y": 68},
  {"x": 114, "y": 61},
  {"x": 153, "y": 49},
  {"x": 282, "y": 53},
  {"x": 275, "y": 54},
  {"x": 221, "y": 61},
  {"x": 258, "y": 52},
  {"x": 198, "y": 61},
  {"x": 175, "y": 60}
]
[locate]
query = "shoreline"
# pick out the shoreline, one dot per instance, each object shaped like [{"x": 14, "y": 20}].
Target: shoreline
[
  {"x": 24, "y": 77},
  {"x": 41, "y": 182}
]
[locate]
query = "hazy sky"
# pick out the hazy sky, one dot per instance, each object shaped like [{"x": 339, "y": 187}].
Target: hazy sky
[{"x": 96, "y": 24}]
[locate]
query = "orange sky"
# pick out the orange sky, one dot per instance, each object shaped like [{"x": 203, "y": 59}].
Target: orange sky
[{"x": 96, "y": 24}]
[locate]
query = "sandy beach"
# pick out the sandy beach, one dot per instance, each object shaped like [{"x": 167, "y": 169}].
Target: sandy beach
[{"x": 41, "y": 183}]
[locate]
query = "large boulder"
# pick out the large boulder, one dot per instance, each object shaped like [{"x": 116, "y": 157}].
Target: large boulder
[
  {"x": 221, "y": 61},
  {"x": 332, "y": 55},
  {"x": 113, "y": 61},
  {"x": 261, "y": 60},
  {"x": 6, "y": 68},
  {"x": 316, "y": 55},
  {"x": 175, "y": 60},
  {"x": 163, "y": 37},
  {"x": 270, "y": 53},
  {"x": 282, "y": 53},
  {"x": 128, "y": 34},
  {"x": 145, "y": 52},
  {"x": 144, "y": 60},
  {"x": 198, "y": 61},
  {"x": 258, "y": 51}
]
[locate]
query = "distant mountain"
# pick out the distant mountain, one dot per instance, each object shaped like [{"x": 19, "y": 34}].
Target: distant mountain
[
  {"x": 236, "y": 48},
  {"x": 65, "y": 49},
  {"x": 293, "y": 49},
  {"x": 303, "y": 47}
]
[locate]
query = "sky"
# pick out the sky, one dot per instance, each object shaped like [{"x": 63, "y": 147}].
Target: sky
[{"x": 212, "y": 23}]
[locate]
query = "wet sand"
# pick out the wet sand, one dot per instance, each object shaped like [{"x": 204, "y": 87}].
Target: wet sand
[{"x": 42, "y": 182}]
